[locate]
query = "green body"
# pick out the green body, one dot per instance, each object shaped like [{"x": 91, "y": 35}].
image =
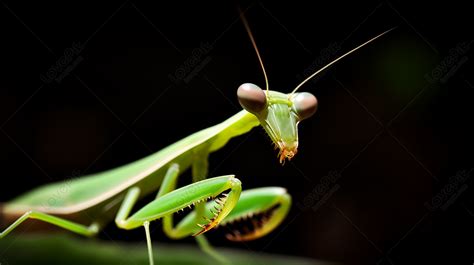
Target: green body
[
  {"x": 94, "y": 192},
  {"x": 91, "y": 193},
  {"x": 86, "y": 204},
  {"x": 96, "y": 198}
]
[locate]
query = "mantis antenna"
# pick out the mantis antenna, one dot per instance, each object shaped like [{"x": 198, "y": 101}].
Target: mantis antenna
[
  {"x": 247, "y": 28},
  {"x": 339, "y": 58}
]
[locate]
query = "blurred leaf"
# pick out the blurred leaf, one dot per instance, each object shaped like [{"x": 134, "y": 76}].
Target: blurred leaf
[{"x": 65, "y": 249}]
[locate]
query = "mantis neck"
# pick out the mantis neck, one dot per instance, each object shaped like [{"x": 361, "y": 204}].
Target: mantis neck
[{"x": 240, "y": 123}]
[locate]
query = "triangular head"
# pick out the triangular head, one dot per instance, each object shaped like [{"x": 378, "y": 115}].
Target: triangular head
[{"x": 279, "y": 114}]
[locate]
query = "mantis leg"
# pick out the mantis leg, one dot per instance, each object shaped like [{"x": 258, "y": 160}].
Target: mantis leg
[
  {"x": 258, "y": 212},
  {"x": 200, "y": 169},
  {"x": 225, "y": 191},
  {"x": 169, "y": 184},
  {"x": 169, "y": 181},
  {"x": 90, "y": 230},
  {"x": 148, "y": 242},
  {"x": 127, "y": 205},
  {"x": 207, "y": 248}
]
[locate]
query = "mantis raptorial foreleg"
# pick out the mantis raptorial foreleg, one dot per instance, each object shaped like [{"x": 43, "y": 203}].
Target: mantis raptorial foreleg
[
  {"x": 169, "y": 201},
  {"x": 169, "y": 184},
  {"x": 200, "y": 168},
  {"x": 169, "y": 181}
]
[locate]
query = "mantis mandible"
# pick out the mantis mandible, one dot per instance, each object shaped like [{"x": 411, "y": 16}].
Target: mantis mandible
[{"x": 95, "y": 199}]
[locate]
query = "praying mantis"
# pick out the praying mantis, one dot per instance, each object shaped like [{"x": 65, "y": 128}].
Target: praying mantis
[{"x": 92, "y": 201}]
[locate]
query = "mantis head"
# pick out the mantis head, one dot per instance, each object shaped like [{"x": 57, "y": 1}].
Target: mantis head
[{"x": 279, "y": 114}]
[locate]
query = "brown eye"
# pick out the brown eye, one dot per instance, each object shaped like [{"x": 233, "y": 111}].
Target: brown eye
[
  {"x": 251, "y": 98},
  {"x": 305, "y": 105}
]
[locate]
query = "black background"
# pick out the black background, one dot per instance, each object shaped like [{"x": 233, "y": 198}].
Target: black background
[{"x": 396, "y": 134}]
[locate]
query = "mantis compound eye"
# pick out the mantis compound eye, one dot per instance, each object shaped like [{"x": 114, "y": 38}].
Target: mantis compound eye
[
  {"x": 251, "y": 98},
  {"x": 305, "y": 105}
]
